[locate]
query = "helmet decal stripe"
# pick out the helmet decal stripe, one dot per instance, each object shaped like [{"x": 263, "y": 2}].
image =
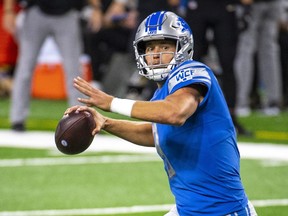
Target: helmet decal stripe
[
  {"x": 154, "y": 22},
  {"x": 160, "y": 21}
]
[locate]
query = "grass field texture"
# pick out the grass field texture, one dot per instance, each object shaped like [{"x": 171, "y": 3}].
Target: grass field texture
[
  {"x": 111, "y": 184},
  {"x": 45, "y": 114},
  {"x": 68, "y": 188}
]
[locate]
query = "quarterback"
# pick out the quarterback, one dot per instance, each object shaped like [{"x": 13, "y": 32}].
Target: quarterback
[{"x": 187, "y": 120}]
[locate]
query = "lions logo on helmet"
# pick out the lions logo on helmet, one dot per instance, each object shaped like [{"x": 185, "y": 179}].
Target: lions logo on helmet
[{"x": 160, "y": 26}]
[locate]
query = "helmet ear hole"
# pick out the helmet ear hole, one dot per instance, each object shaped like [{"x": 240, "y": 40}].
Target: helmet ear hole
[
  {"x": 141, "y": 47},
  {"x": 145, "y": 71}
]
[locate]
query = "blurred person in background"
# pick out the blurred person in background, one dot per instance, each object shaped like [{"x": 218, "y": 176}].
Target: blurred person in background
[
  {"x": 283, "y": 41},
  {"x": 40, "y": 19},
  {"x": 260, "y": 39},
  {"x": 219, "y": 19},
  {"x": 118, "y": 23}
]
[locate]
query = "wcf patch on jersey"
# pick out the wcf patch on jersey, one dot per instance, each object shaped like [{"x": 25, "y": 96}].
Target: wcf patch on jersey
[
  {"x": 185, "y": 74},
  {"x": 182, "y": 76}
]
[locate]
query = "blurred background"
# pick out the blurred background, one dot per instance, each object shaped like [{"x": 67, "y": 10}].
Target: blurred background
[{"x": 45, "y": 44}]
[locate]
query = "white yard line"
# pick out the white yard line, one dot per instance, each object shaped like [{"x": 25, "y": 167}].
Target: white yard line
[
  {"x": 95, "y": 211},
  {"x": 270, "y": 202},
  {"x": 78, "y": 160},
  {"x": 45, "y": 140},
  {"x": 104, "y": 143},
  {"x": 123, "y": 210}
]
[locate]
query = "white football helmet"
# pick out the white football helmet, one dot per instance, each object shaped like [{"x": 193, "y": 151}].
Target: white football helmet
[{"x": 160, "y": 26}]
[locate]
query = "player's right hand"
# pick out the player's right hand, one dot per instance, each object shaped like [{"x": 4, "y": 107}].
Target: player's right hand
[{"x": 95, "y": 98}]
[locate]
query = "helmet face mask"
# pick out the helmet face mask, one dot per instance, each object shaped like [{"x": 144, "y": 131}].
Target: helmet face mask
[{"x": 162, "y": 25}]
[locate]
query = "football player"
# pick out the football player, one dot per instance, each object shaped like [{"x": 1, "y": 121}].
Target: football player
[{"x": 187, "y": 120}]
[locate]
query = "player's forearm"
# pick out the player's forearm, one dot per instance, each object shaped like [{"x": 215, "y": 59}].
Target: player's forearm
[
  {"x": 160, "y": 112},
  {"x": 150, "y": 111},
  {"x": 139, "y": 133},
  {"x": 157, "y": 111},
  {"x": 175, "y": 109}
]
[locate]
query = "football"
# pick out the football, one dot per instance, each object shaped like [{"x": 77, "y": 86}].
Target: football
[{"x": 73, "y": 134}]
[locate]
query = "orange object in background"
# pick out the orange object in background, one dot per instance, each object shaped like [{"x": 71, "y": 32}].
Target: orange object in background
[{"x": 49, "y": 80}]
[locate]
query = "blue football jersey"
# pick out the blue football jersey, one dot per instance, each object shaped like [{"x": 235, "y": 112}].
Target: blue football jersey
[{"x": 201, "y": 157}]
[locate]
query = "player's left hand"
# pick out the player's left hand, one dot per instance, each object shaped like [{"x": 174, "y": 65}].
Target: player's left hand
[{"x": 95, "y": 98}]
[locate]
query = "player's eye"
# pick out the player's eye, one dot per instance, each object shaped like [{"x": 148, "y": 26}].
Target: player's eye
[
  {"x": 149, "y": 49},
  {"x": 165, "y": 48}
]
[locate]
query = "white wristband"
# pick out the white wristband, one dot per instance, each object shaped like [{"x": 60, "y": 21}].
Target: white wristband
[{"x": 122, "y": 106}]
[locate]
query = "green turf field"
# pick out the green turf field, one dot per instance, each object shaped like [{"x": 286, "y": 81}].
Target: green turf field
[
  {"x": 45, "y": 114},
  {"x": 109, "y": 185},
  {"x": 30, "y": 182}
]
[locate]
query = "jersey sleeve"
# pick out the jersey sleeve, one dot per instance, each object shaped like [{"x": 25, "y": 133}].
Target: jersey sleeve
[{"x": 187, "y": 74}]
